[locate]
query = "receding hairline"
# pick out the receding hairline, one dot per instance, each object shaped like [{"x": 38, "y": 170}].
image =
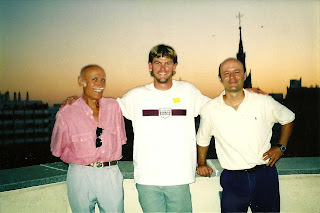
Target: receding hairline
[
  {"x": 230, "y": 59},
  {"x": 90, "y": 66}
]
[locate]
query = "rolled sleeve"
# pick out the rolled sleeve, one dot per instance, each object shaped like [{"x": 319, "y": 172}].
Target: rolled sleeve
[
  {"x": 122, "y": 133},
  {"x": 204, "y": 132},
  {"x": 59, "y": 137},
  {"x": 280, "y": 113}
]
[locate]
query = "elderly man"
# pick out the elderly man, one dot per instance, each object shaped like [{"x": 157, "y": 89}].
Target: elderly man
[
  {"x": 241, "y": 123},
  {"x": 89, "y": 135}
]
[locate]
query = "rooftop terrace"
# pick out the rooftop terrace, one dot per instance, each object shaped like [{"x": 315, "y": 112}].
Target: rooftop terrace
[{"x": 42, "y": 188}]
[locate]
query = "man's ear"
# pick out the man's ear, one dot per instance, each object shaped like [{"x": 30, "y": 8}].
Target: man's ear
[
  {"x": 245, "y": 75},
  {"x": 175, "y": 66},
  {"x": 150, "y": 66},
  {"x": 80, "y": 82}
]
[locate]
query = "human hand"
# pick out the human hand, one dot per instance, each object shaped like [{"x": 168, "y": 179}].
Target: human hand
[
  {"x": 273, "y": 155},
  {"x": 204, "y": 170},
  {"x": 70, "y": 100},
  {"x": 256, "y": 90}
]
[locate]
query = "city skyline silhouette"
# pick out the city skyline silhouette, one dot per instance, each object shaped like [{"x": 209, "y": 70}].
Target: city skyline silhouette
[{"x": 45, "y": 44}]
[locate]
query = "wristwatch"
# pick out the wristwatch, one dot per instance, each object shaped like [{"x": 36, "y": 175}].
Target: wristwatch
[{"x": 282, "y": 147}]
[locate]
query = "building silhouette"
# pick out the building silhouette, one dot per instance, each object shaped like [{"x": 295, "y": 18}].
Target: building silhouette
[
  {"x": 241, "y": 56},
  {"x": 24, "y": 130},
  {"x": 23, "y": 121},
  {"x": 305, "y": 103}
]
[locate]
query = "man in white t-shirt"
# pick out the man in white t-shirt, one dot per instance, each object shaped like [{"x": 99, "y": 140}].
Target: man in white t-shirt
[
  {"x": 241, "y": 123},
  {"x": 164, "y": 152}
]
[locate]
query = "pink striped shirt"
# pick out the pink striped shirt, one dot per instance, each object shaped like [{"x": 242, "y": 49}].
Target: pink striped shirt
[{"x": 74, "y": 134}]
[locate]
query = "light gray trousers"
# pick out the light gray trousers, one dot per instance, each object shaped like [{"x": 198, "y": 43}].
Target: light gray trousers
[{"x": 88, "y": 186}]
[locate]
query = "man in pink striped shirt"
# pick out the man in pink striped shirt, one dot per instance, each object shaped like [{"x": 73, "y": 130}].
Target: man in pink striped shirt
[{"x": 88, "y": 135}]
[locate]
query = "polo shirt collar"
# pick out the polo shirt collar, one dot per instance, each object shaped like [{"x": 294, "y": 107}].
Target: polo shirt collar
[{"x": 222, "y": 103}]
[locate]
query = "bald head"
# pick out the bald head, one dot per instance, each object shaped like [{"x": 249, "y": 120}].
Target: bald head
[
  {"x": 89, "y": 67},
  {"x": 229, "y": 60},
  {"x": 93, "y": 81}
]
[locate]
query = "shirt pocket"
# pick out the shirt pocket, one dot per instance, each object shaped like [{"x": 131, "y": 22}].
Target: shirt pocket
[
  {"x": 113, "y": 139},
  {"x": 83, "y": 145}
]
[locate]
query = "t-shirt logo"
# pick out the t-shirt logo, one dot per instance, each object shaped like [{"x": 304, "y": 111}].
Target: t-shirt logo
[{"x": 165, "y": 112}]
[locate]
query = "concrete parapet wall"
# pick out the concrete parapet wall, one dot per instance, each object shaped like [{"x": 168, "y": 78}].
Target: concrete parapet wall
[{"x": 299, "y": 193}]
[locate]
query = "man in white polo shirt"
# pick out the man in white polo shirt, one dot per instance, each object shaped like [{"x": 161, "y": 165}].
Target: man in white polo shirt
[{"x": 241, "y": 123}]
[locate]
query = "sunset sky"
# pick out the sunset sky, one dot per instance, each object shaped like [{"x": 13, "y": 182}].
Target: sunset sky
[{"x": 44, "y": 44}]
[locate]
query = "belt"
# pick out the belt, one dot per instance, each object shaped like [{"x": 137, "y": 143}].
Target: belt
[
  {"x": 257, "y": 167},
  {"x": 103, "y": 164}
]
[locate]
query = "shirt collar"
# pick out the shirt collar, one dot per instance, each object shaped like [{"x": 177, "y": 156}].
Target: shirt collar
[
  {"x": 221, "y": 101},
  {"x": 84, "y": 106},
  {"x": 174, "y": 85}
]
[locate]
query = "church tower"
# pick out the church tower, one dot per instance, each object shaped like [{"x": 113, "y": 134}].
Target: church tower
[{"x": 241, "y": 56}]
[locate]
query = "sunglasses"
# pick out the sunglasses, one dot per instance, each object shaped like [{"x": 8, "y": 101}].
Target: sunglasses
[{"x": 98, "y": 140}]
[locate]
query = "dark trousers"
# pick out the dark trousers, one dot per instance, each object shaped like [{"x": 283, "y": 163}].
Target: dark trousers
[{"x": 258, "y": 189}]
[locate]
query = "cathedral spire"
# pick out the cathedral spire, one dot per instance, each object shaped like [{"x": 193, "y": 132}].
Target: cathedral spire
[
  {"x": 241, "y": 56},
  {"x": 240, "y": 51}
]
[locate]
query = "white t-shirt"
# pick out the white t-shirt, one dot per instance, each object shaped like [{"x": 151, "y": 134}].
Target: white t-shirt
[
  {"x": 164, "y": 151},
  {"x": 242, "y": 136}
]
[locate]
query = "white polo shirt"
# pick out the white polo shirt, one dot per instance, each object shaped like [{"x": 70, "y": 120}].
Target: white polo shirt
[{"x": 242, "y": 136}]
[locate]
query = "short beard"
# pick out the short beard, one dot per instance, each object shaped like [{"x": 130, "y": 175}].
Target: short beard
[{"x": 165, "y": 80}]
